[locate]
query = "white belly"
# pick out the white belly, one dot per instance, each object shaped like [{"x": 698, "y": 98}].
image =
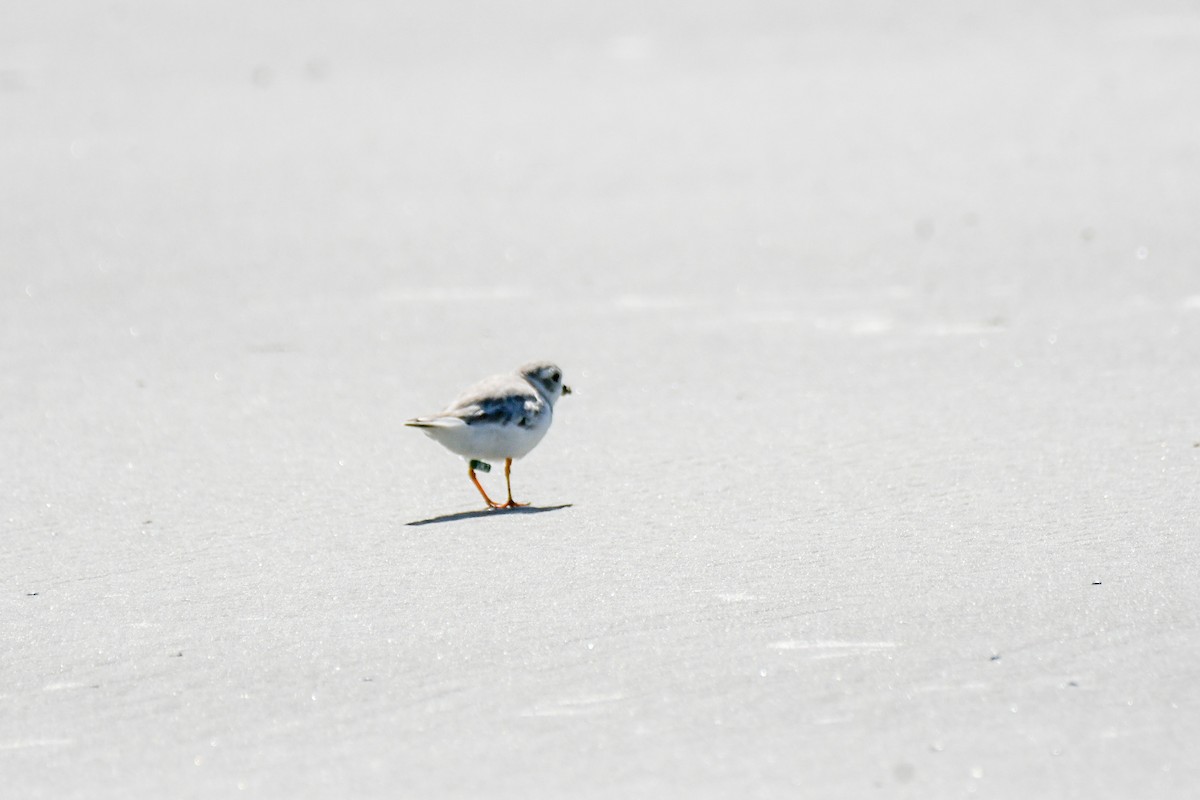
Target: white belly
[{"x": 490, "y": 441}]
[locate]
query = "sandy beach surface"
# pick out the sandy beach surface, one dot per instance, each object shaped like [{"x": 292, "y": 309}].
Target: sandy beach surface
[{"x": 881, "y": 477}]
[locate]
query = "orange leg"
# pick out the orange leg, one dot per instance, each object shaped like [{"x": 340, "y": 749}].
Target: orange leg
[
  {"x": 508, "y": 482},
  {"x": 474, "y": 480}
]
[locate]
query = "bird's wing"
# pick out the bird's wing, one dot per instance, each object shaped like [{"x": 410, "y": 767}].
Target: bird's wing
[
  {"x": 500, "y": 401},
  {"x": 511, "y": 410}
]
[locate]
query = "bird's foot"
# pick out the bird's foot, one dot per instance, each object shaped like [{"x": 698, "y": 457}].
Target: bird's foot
[{"x": 511, "y": 504}]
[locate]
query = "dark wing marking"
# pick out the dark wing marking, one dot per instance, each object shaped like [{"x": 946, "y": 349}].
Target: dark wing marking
[{"x": 510, "y": 410}]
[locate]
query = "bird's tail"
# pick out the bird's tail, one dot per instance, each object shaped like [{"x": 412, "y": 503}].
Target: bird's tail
[{"x": 431, "y": 422}]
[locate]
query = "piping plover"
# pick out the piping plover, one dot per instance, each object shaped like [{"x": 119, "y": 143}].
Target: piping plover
[{"x": 503, "y": 416}]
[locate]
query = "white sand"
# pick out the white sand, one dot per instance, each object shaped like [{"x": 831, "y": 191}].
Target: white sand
[{"x": 883, "y": 464}]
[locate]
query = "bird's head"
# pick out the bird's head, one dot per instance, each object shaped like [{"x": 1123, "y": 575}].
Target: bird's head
[{"x": 547, "y": 378}]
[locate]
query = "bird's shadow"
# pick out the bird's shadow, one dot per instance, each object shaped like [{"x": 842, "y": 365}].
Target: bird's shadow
[{"x": 488, "y": 512}]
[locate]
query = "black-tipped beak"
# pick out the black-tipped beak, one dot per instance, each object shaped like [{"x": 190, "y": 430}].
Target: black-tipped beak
[{"x": 566, "y": 389}]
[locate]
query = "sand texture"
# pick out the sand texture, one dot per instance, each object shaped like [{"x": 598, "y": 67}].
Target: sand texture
[{"x": 881, "y": 477}]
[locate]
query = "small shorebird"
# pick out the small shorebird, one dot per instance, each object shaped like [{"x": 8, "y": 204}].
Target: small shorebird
[{"x": 503, "y": 416}]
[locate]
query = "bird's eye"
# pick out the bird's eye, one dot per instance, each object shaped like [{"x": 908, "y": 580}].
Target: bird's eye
[{"x": 555, "y": 376}]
